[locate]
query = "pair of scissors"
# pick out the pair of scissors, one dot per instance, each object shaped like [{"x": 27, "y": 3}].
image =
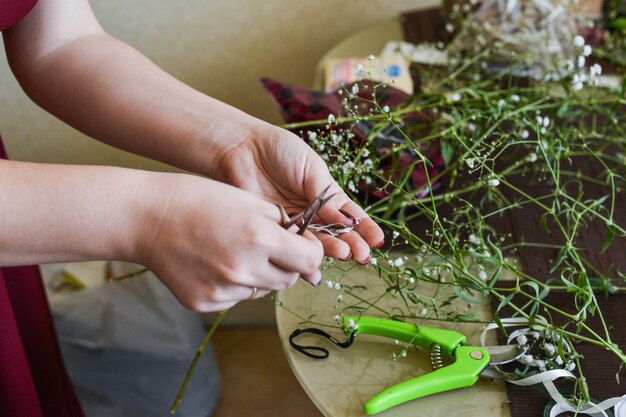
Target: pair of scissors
[
  {"x": 304, "y": 219},
  {"x": 468, "y": 362}
]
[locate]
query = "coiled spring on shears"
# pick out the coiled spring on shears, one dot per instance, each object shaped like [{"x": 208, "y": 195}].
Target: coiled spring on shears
[{"x": 436, "y": 358}]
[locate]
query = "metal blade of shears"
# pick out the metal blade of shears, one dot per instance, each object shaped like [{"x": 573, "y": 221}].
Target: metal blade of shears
[{"x": 500, "y": 355}]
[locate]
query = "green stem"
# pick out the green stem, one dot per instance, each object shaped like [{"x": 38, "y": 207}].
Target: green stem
[{"x": 196, "y": 359}]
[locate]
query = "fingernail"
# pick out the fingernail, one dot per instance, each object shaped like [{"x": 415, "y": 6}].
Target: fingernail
[
  {"x": 365, "y": 262},
  {"x": 346, "y": 258},
  {"x": 379, "y": 244},
  {"x": 316, "y": 284}
]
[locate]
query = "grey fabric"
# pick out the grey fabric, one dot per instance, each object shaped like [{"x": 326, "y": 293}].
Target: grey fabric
[{"x": 127, "y": 347}]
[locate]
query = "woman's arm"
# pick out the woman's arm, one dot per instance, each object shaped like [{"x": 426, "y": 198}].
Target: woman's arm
[
  {"x": 210, "y": 243},
  {"x": 68, "y": 65}
]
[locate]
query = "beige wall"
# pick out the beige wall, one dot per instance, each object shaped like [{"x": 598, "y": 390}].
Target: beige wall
[{"x": 220, "y": 47}]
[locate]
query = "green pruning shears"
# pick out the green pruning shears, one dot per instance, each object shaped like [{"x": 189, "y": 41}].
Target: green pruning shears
[{"x": 469, "y": 362}]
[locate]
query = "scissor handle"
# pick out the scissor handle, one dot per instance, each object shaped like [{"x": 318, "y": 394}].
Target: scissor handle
[
  {"x": 421, "y": 336},
  {"x": 462, "y": 373},
  {"x": 469, "y": 361}
]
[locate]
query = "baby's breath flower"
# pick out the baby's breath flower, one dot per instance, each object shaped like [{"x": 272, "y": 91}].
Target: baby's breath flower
[
  {"x": 494, "y": 182},
  {"x": 580, "y": 61},
  {"x": 352, "y": 325},
  {"x": 371, "y": 57},
  {"x": 449, "y": 27},
  {"x": 522, "y": 340},
  {"x": 337, "y": 286},
  {"x": 386, "y": 109},
  {"x": 586, "y": 50},
  {"x": 483, "y": 275},
  {"x": 532, "y": 157},
  {"x": 515, "y": 98},
  {"x": 355, "y": 89},
  {"x": 398, "y": 262},
  {"x": 524, "y": 134},
  {"x": 595, "y": 70},
  {"x": 330, "y": 284},
  {"x": 373, "y": 261},
  {"x": 579, "y": 41},
  {"x": 360, "y": 69},
  {"x": 340, "y": 298},
  {"x": 331, "y": 118},
  {"x": 455, "y": 97},
  {"x": 474, "y": 239}
]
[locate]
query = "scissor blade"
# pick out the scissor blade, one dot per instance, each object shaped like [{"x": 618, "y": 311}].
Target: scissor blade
[
  {"x": 504, "y": 354},
  {"x": 500, "y": 355},
  {"x": 493, "y": 372}
]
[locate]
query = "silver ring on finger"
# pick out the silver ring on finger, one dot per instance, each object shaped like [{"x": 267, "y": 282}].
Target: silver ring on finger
[{"x": 254, "y": 291}]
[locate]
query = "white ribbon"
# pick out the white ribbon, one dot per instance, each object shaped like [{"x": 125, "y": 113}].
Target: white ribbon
[{"x": 546, "y": 378}]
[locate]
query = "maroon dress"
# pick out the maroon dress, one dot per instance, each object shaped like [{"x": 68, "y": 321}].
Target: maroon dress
[{"x": 33, "y": 379}]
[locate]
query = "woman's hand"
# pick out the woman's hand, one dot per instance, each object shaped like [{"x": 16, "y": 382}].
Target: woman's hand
[
  {"x": 279, "y": 167},
  {"x": 212, "y": 244}
]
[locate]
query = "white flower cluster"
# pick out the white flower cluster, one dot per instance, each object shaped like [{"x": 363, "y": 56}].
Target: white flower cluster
[
  {"x": 549, "y": 358},
  {"x": 352, "y": 324},
  {"x": 543, "y": 122},
  {"x": 333, "y": 284},
  {"x": 398, "y": 262},
  {"x": 581, "y": 77},
  {"x": 351, "y": 164}
]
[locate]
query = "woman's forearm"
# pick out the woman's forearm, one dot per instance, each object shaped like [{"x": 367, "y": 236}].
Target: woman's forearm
[{"x": 56, "y": 213}]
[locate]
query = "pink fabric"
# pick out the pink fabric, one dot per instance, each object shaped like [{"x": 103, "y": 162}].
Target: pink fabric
[
  {"x": 33, "y": 379},
  {"x": 12, "y": 11}
]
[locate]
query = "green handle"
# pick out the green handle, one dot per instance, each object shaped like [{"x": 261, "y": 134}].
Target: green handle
[
  {"x": 421, "y": 336},
  {"x": 469, "y": 361},
  {"x": 462, "y": 373}
]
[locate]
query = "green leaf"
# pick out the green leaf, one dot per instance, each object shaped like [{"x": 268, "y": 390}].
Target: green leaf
[
  {"x": 563, "y": 253},
  {"x": 466, "y": 297},
  {"x": 562, "y": 111},
  {"x": 466, "y": 316},
  {"x": 447, "y": 152},
  {"x": 544, "y": 293},
  {"x": 496, "y": 318},
  {"x": 506, "y": 300},
  {"x": 608, "y": 239},
  {"x": 543, "y": 222}
]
